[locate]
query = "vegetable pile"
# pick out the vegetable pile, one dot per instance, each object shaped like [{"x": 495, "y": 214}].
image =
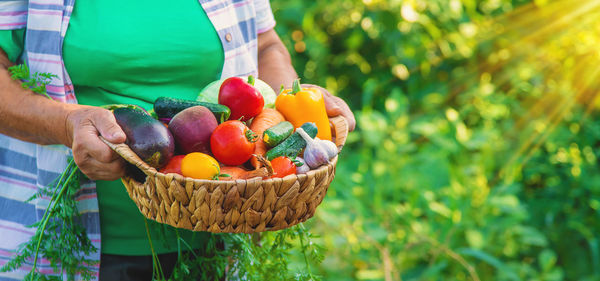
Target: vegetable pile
[{"x": 240, "y": 137}]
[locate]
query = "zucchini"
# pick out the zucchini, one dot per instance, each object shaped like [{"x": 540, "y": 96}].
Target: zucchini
[
  {"x": 276, "y": 134},
  {"x": 166, "y": 108},
  {"x": 291, "y": 146}
]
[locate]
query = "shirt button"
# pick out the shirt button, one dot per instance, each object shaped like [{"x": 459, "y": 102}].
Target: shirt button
[{"x": 228, "y": 37}]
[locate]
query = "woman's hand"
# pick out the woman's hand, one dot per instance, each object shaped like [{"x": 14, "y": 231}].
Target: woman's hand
[
  {"x": 93, "y": 157},
  {"x": 335, "y": 106},
  {"x": 34, "y": 118}
]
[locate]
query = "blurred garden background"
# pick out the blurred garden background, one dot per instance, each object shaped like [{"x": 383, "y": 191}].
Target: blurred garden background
[{"x": 476, "y": 151}]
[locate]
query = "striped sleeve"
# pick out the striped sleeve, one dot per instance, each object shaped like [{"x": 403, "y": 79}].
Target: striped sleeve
[
  {"x": 264, "y": 16},
  {"x": 13, "y": 14}
]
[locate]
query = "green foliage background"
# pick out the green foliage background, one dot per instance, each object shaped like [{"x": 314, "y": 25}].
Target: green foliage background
[{"x": 475, "y": 155}]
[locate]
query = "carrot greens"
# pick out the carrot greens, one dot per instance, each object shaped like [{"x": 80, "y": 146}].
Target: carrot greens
[
  {"x": 264, "y": 256},
  {"x": 36, "y": 82},
  {"x": 59, "y": 236}
]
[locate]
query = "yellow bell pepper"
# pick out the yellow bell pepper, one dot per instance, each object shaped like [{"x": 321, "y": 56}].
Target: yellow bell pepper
[{"x": 300, "y": 105}]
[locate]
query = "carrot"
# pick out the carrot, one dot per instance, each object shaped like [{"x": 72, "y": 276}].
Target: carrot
[
  {"x": 237, "y": 173},
  {"x": 266, "y": 119},
  {"x": 233, "y": 172}
]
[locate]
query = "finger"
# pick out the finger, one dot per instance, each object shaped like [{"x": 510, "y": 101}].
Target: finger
[
  {"x": 347, "y": 113},
  {"x": 96, "y": 170},
  {"x": 331, "y": 106},
  {"x": 87, "y": 141},
  {"x": 106, "y": 124}
]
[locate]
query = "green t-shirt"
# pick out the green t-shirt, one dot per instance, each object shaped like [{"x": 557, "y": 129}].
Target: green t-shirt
[
  {"x": 134, "y": 52},
  {"x": 11, "y": 42}
]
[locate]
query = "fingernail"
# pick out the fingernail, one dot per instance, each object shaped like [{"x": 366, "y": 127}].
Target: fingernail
[{"x": 118, "y": 135}]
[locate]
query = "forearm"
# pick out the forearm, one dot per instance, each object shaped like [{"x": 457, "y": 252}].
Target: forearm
[
  {"x": 29, "y": 116},
  {"x": 274, "y": 62}
]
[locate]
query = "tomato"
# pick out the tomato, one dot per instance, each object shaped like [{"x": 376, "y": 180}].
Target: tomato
[
  {"x": 241, "y": 97},
  {"x": 199, "y": 166},
  {"x": 174, "y": 165},
  {"x": 232, "y": 143},
  {"x": 282, "y": 166}
]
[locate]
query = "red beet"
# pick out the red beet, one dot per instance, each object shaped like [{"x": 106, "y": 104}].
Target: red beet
[{"x": 192, "y": 128}]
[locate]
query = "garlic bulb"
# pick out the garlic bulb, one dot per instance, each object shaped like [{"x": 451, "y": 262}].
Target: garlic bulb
[
  {"x": 329, "y": 146},
  {"x": 314, "y": 154},
  {"x": 303, "y": 168}
]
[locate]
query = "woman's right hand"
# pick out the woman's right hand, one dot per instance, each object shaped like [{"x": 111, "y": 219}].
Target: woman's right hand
[
  {"x": 34, "y": 118},
  {"x": 95, "y": 159}
]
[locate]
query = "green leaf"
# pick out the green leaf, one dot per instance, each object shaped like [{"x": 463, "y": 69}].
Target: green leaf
[
  {"x": 491, "y": 260},
  {"x": 547, "y": 260}
]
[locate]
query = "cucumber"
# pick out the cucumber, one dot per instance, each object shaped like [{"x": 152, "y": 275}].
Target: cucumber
[
  {"x": 291, "y": 146},
  {"x": 166, "y": 108},
  {"x": 276, "y": 134}
]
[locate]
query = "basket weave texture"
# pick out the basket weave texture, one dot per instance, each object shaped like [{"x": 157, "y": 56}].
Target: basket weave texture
[{"x": 239, "y": 206}]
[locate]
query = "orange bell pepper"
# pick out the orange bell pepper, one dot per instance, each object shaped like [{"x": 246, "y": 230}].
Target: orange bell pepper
[{"x": 300, "y": 105}]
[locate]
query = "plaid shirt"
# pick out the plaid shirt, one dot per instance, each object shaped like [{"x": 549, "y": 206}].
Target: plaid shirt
[{"x": 25, "y": 167}]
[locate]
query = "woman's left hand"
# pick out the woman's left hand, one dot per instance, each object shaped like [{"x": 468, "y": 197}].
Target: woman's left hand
[{"x": 335, "y": 106}]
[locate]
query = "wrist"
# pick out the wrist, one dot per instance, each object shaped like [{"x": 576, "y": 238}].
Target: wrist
[{"x": 29, "y": 116}]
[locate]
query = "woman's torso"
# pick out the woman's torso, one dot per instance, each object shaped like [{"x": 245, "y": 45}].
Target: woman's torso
[{"x": 132, "y": 55}]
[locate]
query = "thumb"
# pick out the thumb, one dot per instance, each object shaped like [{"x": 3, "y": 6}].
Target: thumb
[{"x": 107, "y": 126}]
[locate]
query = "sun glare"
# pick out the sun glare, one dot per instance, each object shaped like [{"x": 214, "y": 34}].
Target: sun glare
[{"x": 561, "y": 41}]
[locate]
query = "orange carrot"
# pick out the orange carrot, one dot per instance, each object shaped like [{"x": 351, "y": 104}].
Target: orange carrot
[
  {"x": 237, "y": 173},
  {"x": 233, "y": 172},
  {"x": 266, "y": 119}
]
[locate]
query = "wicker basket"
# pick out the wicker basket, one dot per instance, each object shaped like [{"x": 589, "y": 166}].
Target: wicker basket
[{"x": 246, "y": 206}]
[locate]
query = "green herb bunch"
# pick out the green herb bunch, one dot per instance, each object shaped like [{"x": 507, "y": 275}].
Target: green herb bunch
[
  {"x": 37, "y": 83},
  {"x": 59, "y": 236},
  {"x": 264, "y": 256}
]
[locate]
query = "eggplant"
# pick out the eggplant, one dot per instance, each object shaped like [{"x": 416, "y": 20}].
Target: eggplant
[{"x": 146, "y": 136}]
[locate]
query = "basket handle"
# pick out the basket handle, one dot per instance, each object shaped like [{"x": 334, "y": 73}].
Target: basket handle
[
  {"x": 340, "y": 127},
  {"x": 130, "y": 156}
]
